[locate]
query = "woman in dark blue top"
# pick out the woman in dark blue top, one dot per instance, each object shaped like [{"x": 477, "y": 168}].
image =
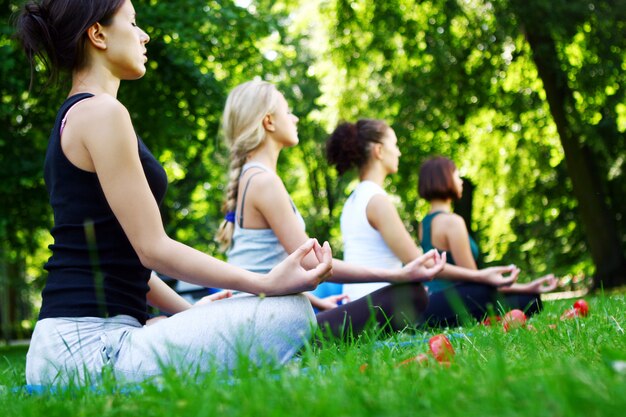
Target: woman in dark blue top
[
  {"x": 105, "y": 188},
  {"x": 440, "y": 184}
]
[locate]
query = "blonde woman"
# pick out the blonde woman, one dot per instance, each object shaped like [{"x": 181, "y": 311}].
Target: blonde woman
[
  {"x": 374, "y": 234},
  {"x": 263, "y": 226}
]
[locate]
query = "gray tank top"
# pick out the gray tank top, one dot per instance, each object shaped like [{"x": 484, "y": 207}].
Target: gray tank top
[{"x": 257, "y": 250}]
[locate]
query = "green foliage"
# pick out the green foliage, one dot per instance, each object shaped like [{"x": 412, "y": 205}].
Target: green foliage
[
  {"x": 24, "y": 127},
  {"x": 177, "y": 106},
  {"x": 458, "y": 79},
  {"x": 22, "y": 147}
]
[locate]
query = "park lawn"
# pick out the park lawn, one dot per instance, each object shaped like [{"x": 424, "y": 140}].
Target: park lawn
[{"x": 577, "y": 369}]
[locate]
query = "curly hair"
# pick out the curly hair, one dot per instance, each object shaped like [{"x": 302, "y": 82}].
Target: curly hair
[{"x": 349, "y": 144}]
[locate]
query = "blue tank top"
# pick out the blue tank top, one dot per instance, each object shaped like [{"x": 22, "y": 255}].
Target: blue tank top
[
  {"x": 437, "y": 285},
  {"x": 99, "y": 276}
]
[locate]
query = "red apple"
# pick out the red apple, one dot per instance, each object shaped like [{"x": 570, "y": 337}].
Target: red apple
[
  {"x": 582, "y": 307},
  {"x": 514, "y": 319},
  {"x": 487, "y": 321},
  {"x": 441, "y": 348}
]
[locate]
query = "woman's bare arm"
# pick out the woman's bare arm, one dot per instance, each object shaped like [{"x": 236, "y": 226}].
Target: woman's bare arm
[
  {"x": 164, "y": 298},
  {"x": 383, "y": 216},
  {"x": 110, "y": 142},
  {"x": 270, "y": 198}
]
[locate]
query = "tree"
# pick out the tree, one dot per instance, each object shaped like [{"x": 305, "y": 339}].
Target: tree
[{"x": 590, "y": 184}]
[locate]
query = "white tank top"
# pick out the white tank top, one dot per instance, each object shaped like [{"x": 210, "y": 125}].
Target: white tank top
[{"x": 362, "y": 244}]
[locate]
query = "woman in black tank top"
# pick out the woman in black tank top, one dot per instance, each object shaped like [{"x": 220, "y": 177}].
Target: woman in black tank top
[{"x": 105, "y": 189}]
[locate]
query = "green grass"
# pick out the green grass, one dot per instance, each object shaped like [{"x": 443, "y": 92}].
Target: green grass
[{"x": 573, "y": 370}]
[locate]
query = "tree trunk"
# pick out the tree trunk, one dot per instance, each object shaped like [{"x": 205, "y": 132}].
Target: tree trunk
[{"x": 598, "y": 221}]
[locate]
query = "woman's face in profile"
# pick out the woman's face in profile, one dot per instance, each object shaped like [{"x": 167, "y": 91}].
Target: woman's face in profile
[
  {"x": 286, "y": 124},
  {"x": 390, "y": 151},
  {"x": 458, "y": 183}
]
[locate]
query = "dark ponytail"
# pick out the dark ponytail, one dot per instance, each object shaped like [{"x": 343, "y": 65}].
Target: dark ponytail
[
  {"x": 54, "y": 31},
  {"x": 34, "y": 35},
  {"x": 349, "y": 144}
]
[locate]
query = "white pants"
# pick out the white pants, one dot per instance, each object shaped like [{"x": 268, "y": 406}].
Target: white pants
[{"x": 64, "y": 350}]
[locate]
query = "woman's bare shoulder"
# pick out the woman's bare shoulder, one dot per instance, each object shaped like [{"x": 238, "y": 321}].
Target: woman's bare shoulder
[
  {"x": 451, "y": 221},
  {"x": 102, "y": 111}
]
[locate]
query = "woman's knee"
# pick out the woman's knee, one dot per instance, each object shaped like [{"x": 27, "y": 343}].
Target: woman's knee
[
  {"x": 408, "y": 296},
  {"x": 294, "y": 312}
]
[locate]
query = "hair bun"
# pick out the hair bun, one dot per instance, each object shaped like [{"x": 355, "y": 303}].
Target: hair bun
[
  {"x": 343, "y": 149},
  {"x": 347, "y": 132},
  {"x": 352, "y": 130},
  {"x": 349, "y": 144},
  {"x": 36, "y": 10}
]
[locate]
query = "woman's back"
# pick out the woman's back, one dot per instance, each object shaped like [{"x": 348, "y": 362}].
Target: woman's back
[
  {"x": 433, "y": 236},
  {"x": 88, "y": 239},
  {"x": 364, "y": 245},
  {"x": 257, "y": 250}
]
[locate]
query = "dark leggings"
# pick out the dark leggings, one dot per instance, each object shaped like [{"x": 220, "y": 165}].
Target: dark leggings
[
  {"x": 391, "y": 308},
  {"x": 452, "y": 306}
]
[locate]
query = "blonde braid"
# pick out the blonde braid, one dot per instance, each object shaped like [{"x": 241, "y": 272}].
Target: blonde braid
[
  {"x": 227, "y": 228},
  {"x": 246, "y": 107}
]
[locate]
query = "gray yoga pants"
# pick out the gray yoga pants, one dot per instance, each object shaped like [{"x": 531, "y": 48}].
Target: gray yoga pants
[{"x": 211, "y": 336}]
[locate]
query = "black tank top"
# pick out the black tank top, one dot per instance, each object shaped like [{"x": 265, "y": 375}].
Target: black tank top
[{"x": 93, "y": 270}]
